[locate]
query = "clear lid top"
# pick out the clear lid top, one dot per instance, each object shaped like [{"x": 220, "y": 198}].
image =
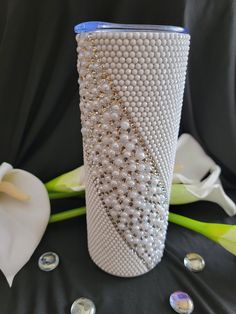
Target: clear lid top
[{"x": 94, "y": 26}]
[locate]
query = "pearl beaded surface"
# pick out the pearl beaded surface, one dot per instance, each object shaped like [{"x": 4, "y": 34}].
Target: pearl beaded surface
[{"x": 131, "y": 96}]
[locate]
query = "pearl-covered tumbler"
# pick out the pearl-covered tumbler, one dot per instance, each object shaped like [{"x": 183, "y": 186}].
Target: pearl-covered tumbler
[{"x": 131, "y": 81}]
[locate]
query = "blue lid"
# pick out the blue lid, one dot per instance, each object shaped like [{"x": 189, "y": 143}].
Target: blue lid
[{"x": 94, "y": 26}]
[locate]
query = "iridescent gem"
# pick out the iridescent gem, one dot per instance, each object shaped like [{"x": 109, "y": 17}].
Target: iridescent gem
[
  {"x": 48, "y": 261},
  {"x": 83, "y": 306},
  {"x": 181, "y": 302},
  {"x": 194, "y": 262}
]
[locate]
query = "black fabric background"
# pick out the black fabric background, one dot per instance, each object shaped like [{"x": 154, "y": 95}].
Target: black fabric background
[{"x": 40, "y": 132}]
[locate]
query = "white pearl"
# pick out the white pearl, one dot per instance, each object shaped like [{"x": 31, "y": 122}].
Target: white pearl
[
  {"x": 115, "y": 146},
  {"x": 120, "y": 191},
  {"x": 130, "y": 183},
  {"x": 137, "y": 203},
  {"x": 106, "y": 139},
  {"x": 158, "y": 190},
  {"x": 153, "y": 189},
  {"x": 113, "y": 213},
  {"x": 109, "y": 168},
  {"x": 128, "y": 237},
  {"x": 133, "y": 194},
  {"x": 140, "y": 154},
  {"x": 136, "y": 213},
  {"x": 136, "y": 241},
  {"x": 124, "y": 214},
  {"x": 97, "y": 147},
  {"x": 107, "y": 201},
  {"x": 115, "y": 108},
  {"x": 130, "y": 211},
  {"x": 140, "y": 250},
  {"x": 162, "y": 198},
  {"x": 121, "y": 226},
  {"x": 126, "y": 201},
  {"x": 115, "y": 173},
  {"x": 155, "y": 181},
  {"x": 134, "y": 220},
  {"x": 105, "y": 163},
  {"x": 132, "y": 167},
  {"x": 105, "y": 87},
  {"x": 114, "y": 183},
  {"x": 123, "y": 220},
  {"x": 147, "y": 177},
  {"x": 127, "y": 154},
  {"x": 130, "y": 146},
  {"x": 118, "y": 162},
  {"x": 115, "y": 116},
  {"x": 135, "y": 228},
  {"x": 111, "y": 153},
  {"x": 141, "y": 187},
  {"x": 117, "y": 207},
  {"x": 114, "y": 202},
  {"x": 141, "y": 167},
  {"x": 105, "y": 127},
  {"x": 124, "y": 138},
  {"x": 140, "y": 177},
  {"x": 105, "y": 188},
  {"x": 124, "y": 174},
  {"x": 124, "y": 124}
]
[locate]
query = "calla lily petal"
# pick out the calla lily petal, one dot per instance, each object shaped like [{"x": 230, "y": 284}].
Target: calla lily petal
[
  {"x": 180, "y": 195},
  {"x": 222, "y": 234},
  {"x": 22, "y": 222},
  {"x": 13, "y": 191},
  {"x": 72, "y": 181},
  {"x": 227, "y": 240},
  {"x": 192, "y": 165}
]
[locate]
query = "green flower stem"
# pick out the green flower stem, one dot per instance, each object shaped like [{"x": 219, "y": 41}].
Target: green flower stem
[
  {"x": 212, "y": 231},
  {"x": 59, "y": 195},
  {"x": 188, "y": 223},
  {"x": 209, "y": 230},
  {"x": 68, "y": 214}
]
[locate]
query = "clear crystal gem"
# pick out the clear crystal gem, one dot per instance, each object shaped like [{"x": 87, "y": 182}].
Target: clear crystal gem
[
  {"x": 181, "y": 302},
  {"x": 48, "y": 261},
  {"x": 194, "y": 262},
  {"x": 83, "y": 306}
]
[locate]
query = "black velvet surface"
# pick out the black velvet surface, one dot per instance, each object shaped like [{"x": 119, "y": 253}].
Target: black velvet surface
[{"x": 40, "y": 132}]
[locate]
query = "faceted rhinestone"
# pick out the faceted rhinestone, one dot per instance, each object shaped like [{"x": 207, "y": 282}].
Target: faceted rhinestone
[
  {"x": 48, "y": 261},
  {"x": 83, "y": 306},
  {"x": 194, "y": 262},
  {"x": 181, "y": 302}
]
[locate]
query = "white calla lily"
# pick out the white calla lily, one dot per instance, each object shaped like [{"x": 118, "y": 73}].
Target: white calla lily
[
  {"x": 24, "y": 215},
  {"x": 192, "y": 165}
]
